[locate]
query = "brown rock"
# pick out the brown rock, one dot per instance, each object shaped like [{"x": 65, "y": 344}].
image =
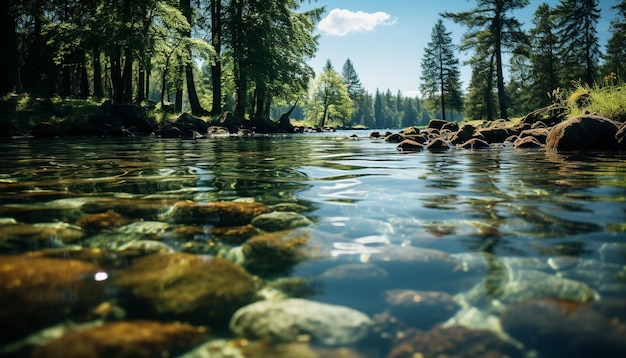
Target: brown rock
[
  {"x": 475, "y": 143},
  {"x": 19, "y": 238},
  {"x": 409, "y": 145},
  {"x": 275, "y": 252},
  {"x": 541, "y": 134},
  {"x": 586, "y": 132},
  {"x": 179, "y": 286},
  {"x": 138, "y": 339},
  {"x": 494, "y": 135},
  {"x": 465, "y": 133},
  {"x": 436, "y": 123},
  {"x": 101, "y": 221},
  {"x": 395, "y": 138},
  {"x": 438, "y": 144},
  {"x": 527, "y": 142},
  {"x": 218, "y": 213},
  {"x": 234, "y": 234},
  {"x": 38, "y": 292},
  {"x": 620, "y": 136},
  {"x": 421, "y": 309},
  {"x": 454, "y": 342},
  {"x": 558, "y": 328}
]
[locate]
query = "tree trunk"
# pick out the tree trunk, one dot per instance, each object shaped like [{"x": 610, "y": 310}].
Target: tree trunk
[
  {"x": 8, "y": 47},
  {"x": 141, "y": 82},
  {"x": 127, "y": 77},
  {"x": 84, "y": 82},
  {"x": 502, "y": 100},
  {"x": 98, "y": 90},
  {"x": 66, "y": 81},
  {"x": 441, "y": 79},
  {"x": 116, "y": 77},
  {"x": 178, "y": 102},
  {"x": 216, "y": 68},
  {"x": 194, "y": 101},
  {"x": 192, "y": 94},
  {"x": 147, "y": 87}
]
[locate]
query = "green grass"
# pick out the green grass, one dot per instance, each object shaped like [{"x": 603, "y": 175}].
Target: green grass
[{"x": 606, "y": 101}]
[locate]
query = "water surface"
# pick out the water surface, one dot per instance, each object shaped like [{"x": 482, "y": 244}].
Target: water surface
[{"x": 561, "y": 214}]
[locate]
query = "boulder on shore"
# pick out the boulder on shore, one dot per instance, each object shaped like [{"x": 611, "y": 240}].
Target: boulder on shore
[{"x": 586, "y": 132}]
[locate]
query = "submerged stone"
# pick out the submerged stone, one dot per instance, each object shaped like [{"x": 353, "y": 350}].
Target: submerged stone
[
  {"x": 36, "y": 292},
  {"x": 421, "y": 309},
  {"x": 273, "y": 253},
  {"x": 507, "y": 286},
  {"x": 280, "y": 220},
  {"x": 18, "y": 237},
  {"x": 101, "y": 221},
  {"x": 453, "y": 342},
  {"x": 179, "y": 286},
  {"x": 137, "y": 339},
  {"x": 290, "y": 319},
  {"x": 558, "y": 328},
  {"x": 217, "y": 213}
]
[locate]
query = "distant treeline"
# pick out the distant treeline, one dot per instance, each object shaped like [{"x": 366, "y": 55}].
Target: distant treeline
[{"x": 250, "y": 58}]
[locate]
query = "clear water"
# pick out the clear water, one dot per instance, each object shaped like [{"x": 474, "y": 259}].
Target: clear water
[{"x": 514, "y": 204}]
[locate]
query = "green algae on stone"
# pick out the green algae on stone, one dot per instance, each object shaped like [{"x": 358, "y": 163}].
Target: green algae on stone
[
  {"x": 275, "y": 252},
  {"x": 227, "y": 213},
  {"x": 280, "y": 220},
  {"x": 202, "y": 289},
  {"x": 126, "y": 339}
]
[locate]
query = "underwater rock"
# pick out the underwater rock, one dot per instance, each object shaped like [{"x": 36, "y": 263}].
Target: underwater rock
[
  {"x": 233, "y": 234},
  {"x": 147, "y": 209},
  {"x": 101, "y": 221},
  {"x": 280, "y": 220},
  {"x": 36, "y": 292},
  {"x": 275, "y": 252},
  {"x": 137, "y": 339},
  {"x": 558, "y": 328},
  {"x": 421, "y": 309},
  {"x": 418, "y": 268},
  {"x": 217, "y": 213},
  {"x": 453, "y": 342},
  {"x": 200, "y": 289},
  {"x": 288, "y": 320},
  {"x": 18, "y": 237},
  {"x": 505, "y": 285},
  {"x": 348, "y": 284}
]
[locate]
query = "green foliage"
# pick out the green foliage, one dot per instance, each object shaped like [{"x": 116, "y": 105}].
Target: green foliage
[
  {"x": 606, "y": 101},
  {"x": 329, "y": 102},
  {"x": 491, "y": 31},
  {"x": 615, "y": 66},
  {"x": 576, "y": 23},
  {"x": 441, "y": 78}
]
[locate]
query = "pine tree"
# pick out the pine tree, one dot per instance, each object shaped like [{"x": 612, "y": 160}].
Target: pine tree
[
  {"x": 614, "y": 67},
  {"x": 491, "y": 30},
  {"x": 544, "y": 57},
  {"x": 576, "y": 22},
  {"x": 440, "y": 80}
]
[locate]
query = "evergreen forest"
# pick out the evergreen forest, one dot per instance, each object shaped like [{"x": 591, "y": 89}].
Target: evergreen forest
[{"x": 250, "y": 58}]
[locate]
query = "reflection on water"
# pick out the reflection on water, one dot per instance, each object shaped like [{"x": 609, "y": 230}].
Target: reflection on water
[{"x": 480, "y": 225}]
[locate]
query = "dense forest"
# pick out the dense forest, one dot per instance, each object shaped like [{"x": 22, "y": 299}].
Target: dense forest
[{"x": 250, "y": 57}]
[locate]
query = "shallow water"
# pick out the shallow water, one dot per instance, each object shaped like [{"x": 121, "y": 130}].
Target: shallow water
[{"x": 562, "y": 214}]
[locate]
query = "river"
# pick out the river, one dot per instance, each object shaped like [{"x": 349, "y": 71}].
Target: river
[{"x": 484, "y": 231}]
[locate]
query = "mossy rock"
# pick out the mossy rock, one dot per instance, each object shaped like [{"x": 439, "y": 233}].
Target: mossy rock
[
  {"x": 198, "y": 289},
  {"x": 274, "y": 253},
  {"x": 218, "y": 213}
]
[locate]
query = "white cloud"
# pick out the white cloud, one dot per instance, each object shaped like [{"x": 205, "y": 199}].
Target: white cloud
[{"x": 340, "y": 22}]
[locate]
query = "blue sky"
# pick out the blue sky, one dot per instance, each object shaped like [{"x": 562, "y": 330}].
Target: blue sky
[{"x": 385, "y": 39}]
